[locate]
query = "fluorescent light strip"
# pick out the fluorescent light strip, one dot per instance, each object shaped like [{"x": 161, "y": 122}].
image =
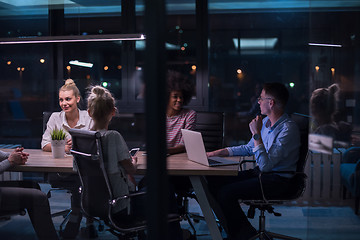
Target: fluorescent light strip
[
  {"x": 71, "y": 39},
  {"x": 324, "y": 45},
  {"x": 81, "y": 64}
]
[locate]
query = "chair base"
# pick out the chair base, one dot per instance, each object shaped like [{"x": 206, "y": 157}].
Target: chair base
[{"x": 270, "y": 235}]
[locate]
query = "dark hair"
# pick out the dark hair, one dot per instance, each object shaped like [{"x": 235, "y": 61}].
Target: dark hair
[
  {"x": 178, "y": 82},
  {"x": 278, "y": 91}
]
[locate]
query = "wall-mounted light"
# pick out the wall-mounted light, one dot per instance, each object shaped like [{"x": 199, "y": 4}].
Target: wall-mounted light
[
  {"x": 317, "y": 68},
  {"x": 42, "y": 60},
  {"x": 8, "y": 62},
  {"x": 106, "y": 68}
]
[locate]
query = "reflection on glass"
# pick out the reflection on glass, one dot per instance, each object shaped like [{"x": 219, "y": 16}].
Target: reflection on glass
[{"x": 324, "y": 106}]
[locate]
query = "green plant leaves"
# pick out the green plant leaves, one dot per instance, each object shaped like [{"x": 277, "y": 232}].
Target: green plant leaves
[{"x": 57, "y": 134}]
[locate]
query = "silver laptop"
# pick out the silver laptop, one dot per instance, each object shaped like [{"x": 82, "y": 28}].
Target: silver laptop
[{"x": 195, "y": 150}]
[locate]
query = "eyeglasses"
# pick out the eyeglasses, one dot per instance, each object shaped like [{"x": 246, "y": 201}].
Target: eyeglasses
[{"x": 262, "y": 99}]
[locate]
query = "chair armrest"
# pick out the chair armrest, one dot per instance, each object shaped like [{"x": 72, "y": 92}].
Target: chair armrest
[
  {"x": 135, "y": 194},
  {"x": 245, "y": 161}
]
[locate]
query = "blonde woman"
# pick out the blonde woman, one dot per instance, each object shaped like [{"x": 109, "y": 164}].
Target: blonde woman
[
  {"x": 70, "y": 117},
  {"x": 118, "y": 162}
]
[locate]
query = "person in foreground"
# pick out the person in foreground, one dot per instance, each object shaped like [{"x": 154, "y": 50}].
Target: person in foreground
[
  {"x": 70, "y": 117},
  {"x": 15, "y": 195},
  {"x": 275, "y": 144},
  {"x": 120, "y": 166}
]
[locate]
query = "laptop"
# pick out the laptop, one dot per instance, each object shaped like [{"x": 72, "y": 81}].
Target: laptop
[{"x": 195, "y": 150}]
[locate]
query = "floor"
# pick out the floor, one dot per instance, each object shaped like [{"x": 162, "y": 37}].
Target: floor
[{"x": 312, "y": 223}]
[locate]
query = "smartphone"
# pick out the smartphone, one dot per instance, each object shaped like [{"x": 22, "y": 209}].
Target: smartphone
[{"x": 134, "y": 151}]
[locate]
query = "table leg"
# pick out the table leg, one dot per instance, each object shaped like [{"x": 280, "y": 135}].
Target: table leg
[{"x": 200, "y": 188}]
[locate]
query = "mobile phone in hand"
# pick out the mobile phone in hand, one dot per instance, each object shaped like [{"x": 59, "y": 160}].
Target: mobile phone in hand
[{"x": 134, "y": 151}]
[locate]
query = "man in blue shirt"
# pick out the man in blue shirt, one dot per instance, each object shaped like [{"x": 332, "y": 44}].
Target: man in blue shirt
[{"x": 275, "y": 144}]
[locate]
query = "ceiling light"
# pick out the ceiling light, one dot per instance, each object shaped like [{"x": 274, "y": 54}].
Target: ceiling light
[
  {"x": 324, "y": 45},
  {"x": 70, "y": 39},
  {"x": 81, "y": 64}
]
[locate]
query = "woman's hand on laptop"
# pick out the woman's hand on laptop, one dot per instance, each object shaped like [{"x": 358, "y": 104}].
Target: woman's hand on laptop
[{"x": 220, "y": 152}]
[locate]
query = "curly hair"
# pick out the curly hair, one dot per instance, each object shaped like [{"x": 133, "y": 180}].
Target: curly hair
[{"x": 178, "y": 82}]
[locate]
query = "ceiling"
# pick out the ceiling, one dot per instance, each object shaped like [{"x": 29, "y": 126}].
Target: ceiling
[{"x": 40, "y": 7}]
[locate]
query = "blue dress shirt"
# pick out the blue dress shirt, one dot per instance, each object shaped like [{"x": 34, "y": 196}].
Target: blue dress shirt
[{"x": 280, "y": 148}]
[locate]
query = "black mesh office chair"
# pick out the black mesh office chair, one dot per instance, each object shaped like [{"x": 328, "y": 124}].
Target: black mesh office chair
[
  {"x": 97, "y": 198},
  {"x": 211, "y": 126},
  {"x": 266, "y": 204}
]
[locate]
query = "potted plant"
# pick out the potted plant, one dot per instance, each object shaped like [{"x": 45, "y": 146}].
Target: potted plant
[{"x": 58, "y": 143}]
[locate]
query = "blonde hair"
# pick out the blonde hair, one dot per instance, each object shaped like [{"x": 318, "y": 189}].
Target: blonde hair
[
  {"x": 100, "y": 104},
  {"x": 70, "y": 85}
]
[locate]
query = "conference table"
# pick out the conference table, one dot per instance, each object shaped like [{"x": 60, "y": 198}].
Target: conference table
[{"x": 178, "y": 164}]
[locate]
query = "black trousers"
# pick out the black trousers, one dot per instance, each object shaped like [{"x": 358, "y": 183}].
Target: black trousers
[
  {"x": 246, "y": 186},
  {"x": 16, "y": 195}
]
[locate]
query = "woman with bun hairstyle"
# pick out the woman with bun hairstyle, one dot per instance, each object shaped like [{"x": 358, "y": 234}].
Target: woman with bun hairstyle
[
  {"x": 323, "y": 106},
  {"x": 119, "y": 165},
  {"x": 118, "y": 162},
  {"x": 70, "y": 117}
]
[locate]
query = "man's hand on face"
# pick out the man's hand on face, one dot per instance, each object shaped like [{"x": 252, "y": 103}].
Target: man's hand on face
[{"x": 255, "y": 125}]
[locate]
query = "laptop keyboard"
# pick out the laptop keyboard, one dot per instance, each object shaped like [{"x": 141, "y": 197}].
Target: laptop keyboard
[{"x": 212, "y": 161}]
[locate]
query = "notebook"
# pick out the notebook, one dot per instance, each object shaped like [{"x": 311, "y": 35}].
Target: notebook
[{"x": 195, "y": 150}]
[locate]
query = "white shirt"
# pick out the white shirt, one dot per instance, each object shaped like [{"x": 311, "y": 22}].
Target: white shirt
[{"x": 58, "y": 120}]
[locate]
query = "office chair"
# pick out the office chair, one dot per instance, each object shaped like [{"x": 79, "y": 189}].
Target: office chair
[
  {"x": 265, "y": 204},
  {"x": 97, "y": 198},
  {"x": 211, "y": 126}
]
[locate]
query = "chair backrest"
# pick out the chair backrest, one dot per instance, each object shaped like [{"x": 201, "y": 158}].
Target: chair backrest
[
  {"x": 303, "y": 124},
  {"x": 299, "y": 179},
  {"x": 211, "y": 126},
  {"x": 96, "y": 192},
  {"x": 46, "y": 116}
]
